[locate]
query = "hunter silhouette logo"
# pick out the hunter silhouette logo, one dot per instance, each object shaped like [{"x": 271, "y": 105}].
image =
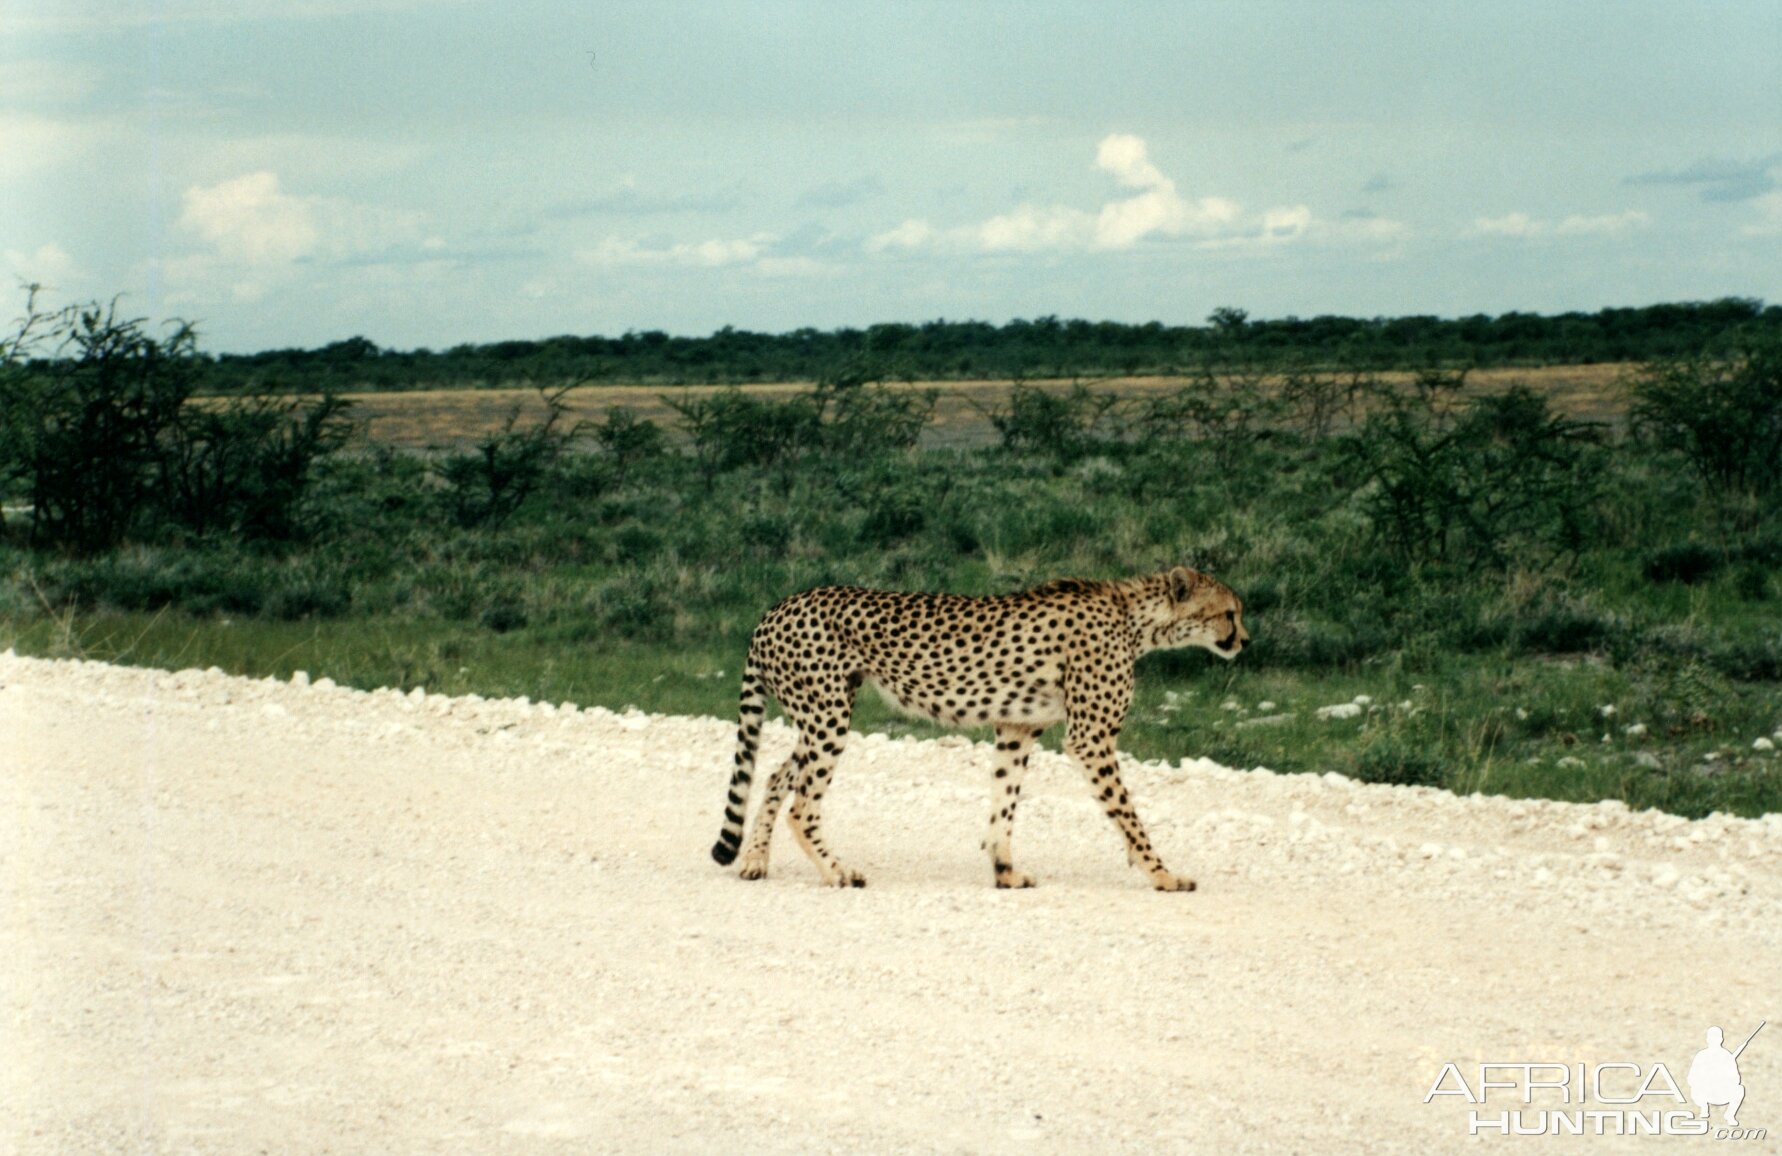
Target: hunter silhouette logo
[
  {"x": 1617, "y": 1098},
  {"x": 1714, "y": 1075}
]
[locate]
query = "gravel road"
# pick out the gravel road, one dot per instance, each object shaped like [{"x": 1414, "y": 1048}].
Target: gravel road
[{"x": 244, "y": 916}]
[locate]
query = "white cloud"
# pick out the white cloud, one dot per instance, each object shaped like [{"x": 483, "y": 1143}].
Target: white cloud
[
  {"x": 760, "y": 253},
  {"x": 254, "y": 236},
  {"x": 1508, "y": 225},
  {"x": 249, "y": 220},
  {"x": 1769, "y": 214},
  {"x": 37, "y": 145},
  {"x": 1031, "y": 227},
  {"x": 48, "y": 265},
  {"x": 1523, "y": 225},
  {"x": 1156, "y": 209},
  {"x": 792, "y": 267},
  {"x": 1159, "y": 208},
  {"x": 699, "y": 254},
  {"x": 1608, "y": 225},
  {"x": 52, "y": 82},
  {"x": 912, "y": 234},
  {"x": 1124, "y": 155},
  {"x": 1285, "y": 224}
]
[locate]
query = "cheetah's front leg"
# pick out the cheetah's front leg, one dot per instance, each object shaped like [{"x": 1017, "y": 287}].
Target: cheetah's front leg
[
  {"x": 1013, "y": 744},
  {"x": 1099, "y": 763}
]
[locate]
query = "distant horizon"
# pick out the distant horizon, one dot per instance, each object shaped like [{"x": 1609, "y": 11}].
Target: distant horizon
[{"x": 1204, "y": 323}]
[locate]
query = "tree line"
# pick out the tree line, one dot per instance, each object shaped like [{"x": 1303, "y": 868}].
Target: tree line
[{"x": 943, "y": 350}]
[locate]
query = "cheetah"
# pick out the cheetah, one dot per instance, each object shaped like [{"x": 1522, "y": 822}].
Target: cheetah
[{"x": 1061, "y": 652}]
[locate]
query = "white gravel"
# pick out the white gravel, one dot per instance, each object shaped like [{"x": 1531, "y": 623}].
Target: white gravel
[{"x": 251, "y": 915}]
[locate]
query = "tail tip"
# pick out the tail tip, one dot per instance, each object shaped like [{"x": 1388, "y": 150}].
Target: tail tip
[{"x": 724, "y": 853}]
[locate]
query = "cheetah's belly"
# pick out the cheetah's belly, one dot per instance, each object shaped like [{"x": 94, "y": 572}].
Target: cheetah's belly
[{"x": 973, "y": 705}]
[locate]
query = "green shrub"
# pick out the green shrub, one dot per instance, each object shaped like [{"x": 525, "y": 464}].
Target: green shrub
[
  {"x": 865, "y": 422},
  {"x": 503, "y": 616},
  {"x": 628, "y": 441},
  {"x": 307, "y": 597},
  {"x": 1463, "y": 483},
  {"x": 638, "y": 612},
  {"x": 1748, "y": 660},
  {"x": 1316, "y": 399},
  {"x": 1564, "y": 626},
  {"x": 1230, "y": 411},
  {"x": 103, "y": 433},
  {"x": 1751, "y": 581},
  {"x": 581, "y": 479},
  {"x": 1722, "y": 414},
  {"x": 635, "y": 540},
  {"x": 198, "y": 583},
  {"x": 893, "y": 515},
  {"x": 1685, "y": 562},
  {"x": 843, "y": 421},
  {"x": 1061, "y": 426},
  {"x": 768, "y": 533},
  {"x": 84, "y": 425},
  {"x": 1398, "y": 762},
  {"x": 487, "y": 486},
  {"x": 1286, "y": 639}
]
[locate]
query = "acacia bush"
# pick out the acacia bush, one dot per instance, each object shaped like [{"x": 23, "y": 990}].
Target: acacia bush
[
  {"x": 1472, "y": 481},
  {"x": 1061, "y": 426},
  {"x": 1316, "y": 399},
  {"x": 1721, "y": 414},
  {"x": 628, "y": 441},
  {"x": 844, "y": 419},
  {"x": 1230, "y": 411},
  {"x": 100, "y": 432},
  {"x": 246, "y": 466},
  {"x": 485, "y": 487}
]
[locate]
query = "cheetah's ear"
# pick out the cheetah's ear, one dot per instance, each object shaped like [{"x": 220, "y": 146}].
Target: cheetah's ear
[{"x": 1182, "y": 582}]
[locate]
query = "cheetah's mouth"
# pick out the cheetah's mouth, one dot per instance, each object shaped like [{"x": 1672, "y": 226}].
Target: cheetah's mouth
[{"x": 1228, "y": 643}]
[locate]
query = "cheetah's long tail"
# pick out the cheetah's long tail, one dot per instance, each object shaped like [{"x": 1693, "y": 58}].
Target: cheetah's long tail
[{"x": 750, "y": 711}]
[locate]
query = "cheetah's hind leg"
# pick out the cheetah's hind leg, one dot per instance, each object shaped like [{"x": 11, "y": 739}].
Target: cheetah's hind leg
[
  {"x": 754, "y": 856},
  {"x": 826, "y": 740}
]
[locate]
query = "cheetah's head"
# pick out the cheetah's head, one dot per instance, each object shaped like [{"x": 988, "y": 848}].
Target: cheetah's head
[{"x": 1199, "y": 610}]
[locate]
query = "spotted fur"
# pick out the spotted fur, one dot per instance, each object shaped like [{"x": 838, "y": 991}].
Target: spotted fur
[{"x": 1061, "y": 652}]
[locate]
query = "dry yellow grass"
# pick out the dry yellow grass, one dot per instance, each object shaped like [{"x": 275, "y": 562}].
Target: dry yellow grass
[{"x": 444, "y": 417}]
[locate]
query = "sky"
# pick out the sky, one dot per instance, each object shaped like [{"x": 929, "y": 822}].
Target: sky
[{"x": 424, "y": 174}]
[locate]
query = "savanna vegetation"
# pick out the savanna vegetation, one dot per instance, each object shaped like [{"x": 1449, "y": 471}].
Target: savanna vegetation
[{"x": 1498, "y": 597}]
